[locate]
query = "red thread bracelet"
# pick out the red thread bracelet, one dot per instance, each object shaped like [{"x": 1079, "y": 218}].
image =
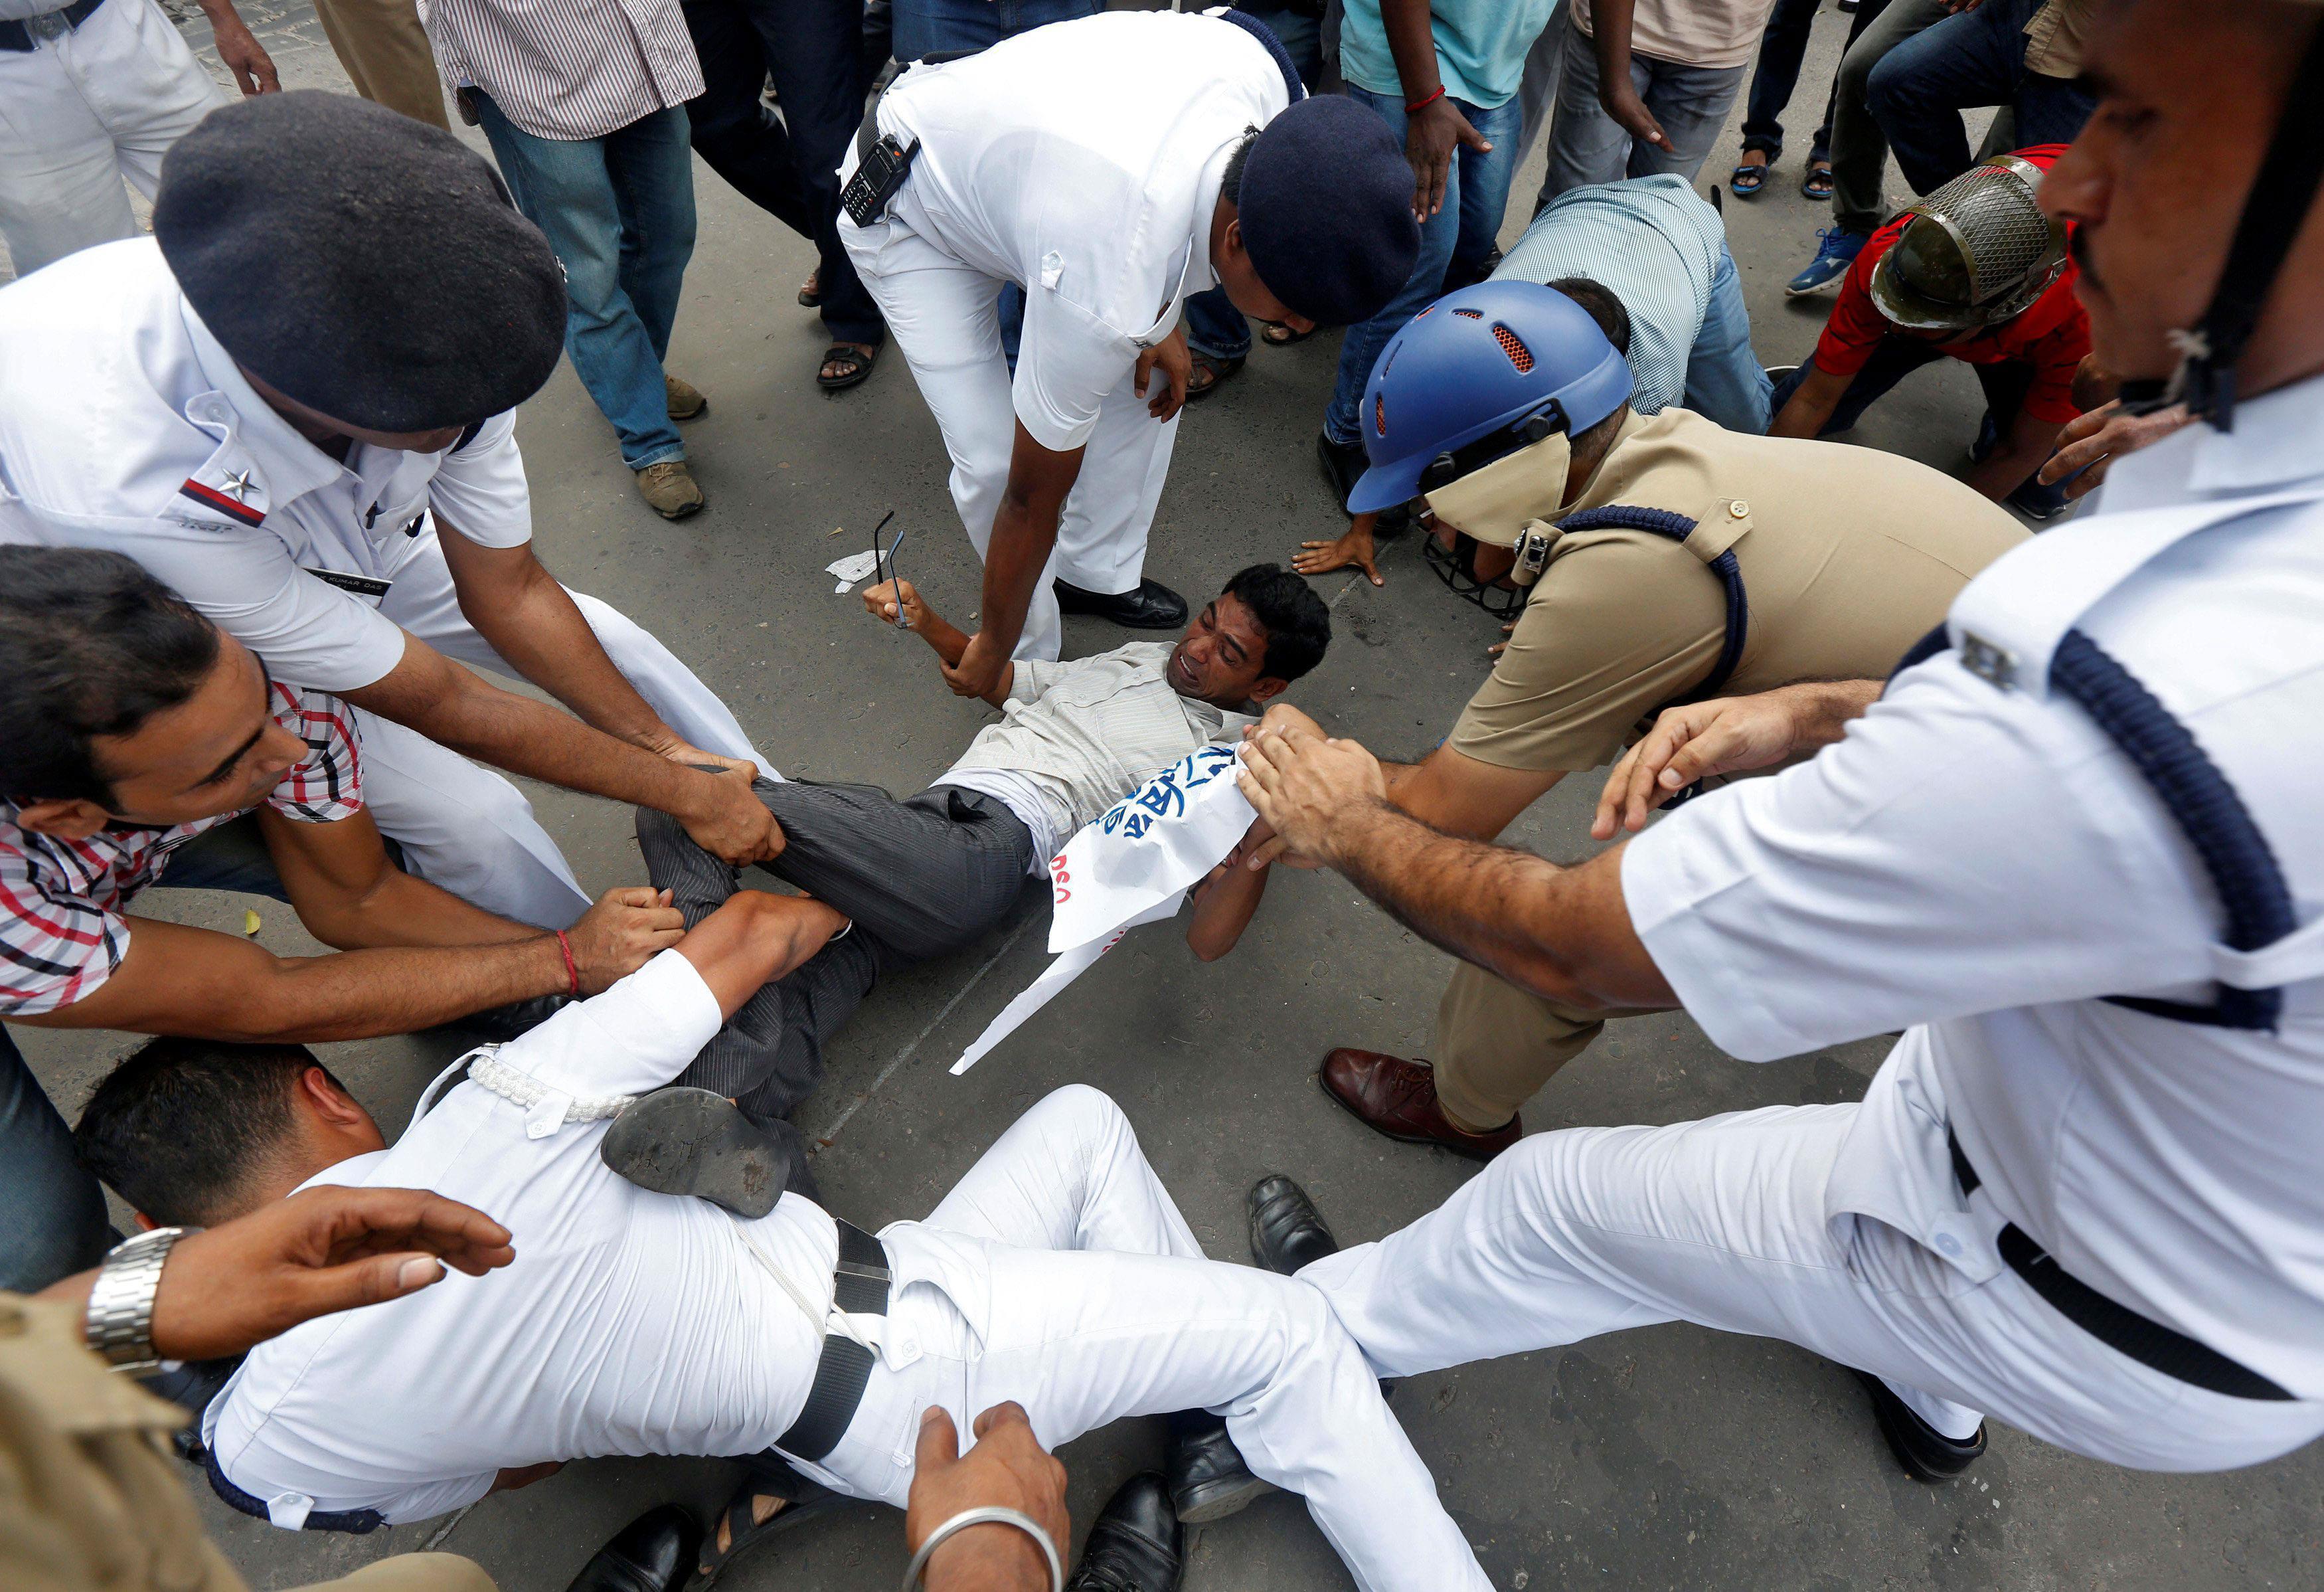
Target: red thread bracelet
[
  {"x": 572, "y": 972},
  {"x": 1418, "y": 106}
]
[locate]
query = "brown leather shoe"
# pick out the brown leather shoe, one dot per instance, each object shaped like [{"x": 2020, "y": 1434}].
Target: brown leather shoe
[
  {"x": 682, "y": 398},
  {"x": 670, "y": 489},
  {"x": 1397, "y": 1097}
]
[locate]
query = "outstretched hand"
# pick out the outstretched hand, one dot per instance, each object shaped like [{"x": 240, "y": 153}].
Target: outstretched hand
[
  {"x": 1694, "y": 742},
  {"x": 1009, "y": 1469},
  {"x": 321, "y": 1251},
  {"x": 1309, "y": 788}
]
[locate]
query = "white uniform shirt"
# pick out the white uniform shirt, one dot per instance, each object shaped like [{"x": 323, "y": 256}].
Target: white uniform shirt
[
  {"x": 123, "y": 425},
  {"x": 1984, "y": 865},
  {"x": 629, "y": 1323},
  {"x": 1083, "y": 162}
]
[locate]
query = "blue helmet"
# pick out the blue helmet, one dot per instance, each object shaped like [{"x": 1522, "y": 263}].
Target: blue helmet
[{"x": 1478, "y": 361}]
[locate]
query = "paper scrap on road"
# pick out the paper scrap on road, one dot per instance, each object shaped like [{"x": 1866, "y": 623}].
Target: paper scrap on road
[{"x": 850, "y": 570}]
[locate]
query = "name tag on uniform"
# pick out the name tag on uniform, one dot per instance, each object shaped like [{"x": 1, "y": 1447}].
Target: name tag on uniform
[{"x": 363, "y": 585}]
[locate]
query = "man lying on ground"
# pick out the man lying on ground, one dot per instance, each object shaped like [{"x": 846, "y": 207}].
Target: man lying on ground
[
  {"x": 1057, "y": 1273},
  {"x": 132, "y": 731},
  {"x": 922, "y": 877}
]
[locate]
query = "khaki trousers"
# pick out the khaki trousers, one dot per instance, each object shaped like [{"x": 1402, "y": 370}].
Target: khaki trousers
[
  {"x": 412, "y": 1573},
  {"x": 1497, "y": 1045},
  {"x": 384, "y": 51}
]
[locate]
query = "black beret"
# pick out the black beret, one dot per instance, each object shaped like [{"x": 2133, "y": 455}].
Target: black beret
[
  {"x": 369, "y": 265},
  {"x": 1326, "y": 210}
]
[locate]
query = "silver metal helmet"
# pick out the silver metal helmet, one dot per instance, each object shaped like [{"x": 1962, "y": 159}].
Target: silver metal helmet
[{"x": 1976, "y": 251}]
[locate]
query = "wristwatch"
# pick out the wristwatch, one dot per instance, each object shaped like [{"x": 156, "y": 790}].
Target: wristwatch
[{"x": 119, "y": 1321}]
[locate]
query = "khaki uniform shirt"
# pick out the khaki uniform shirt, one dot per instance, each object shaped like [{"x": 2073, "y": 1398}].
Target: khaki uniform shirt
[
  {"x": 1849, "y": 556},
  {"x": 91, "y": 1498},
  {"x": 2057, "y": 37}
]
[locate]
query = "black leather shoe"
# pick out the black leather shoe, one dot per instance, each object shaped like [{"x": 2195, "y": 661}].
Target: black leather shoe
[
  {"x": 1926, "y": 1454},
  {"x": 1137, "y": 1544},
  {"x": 1152, "y": 607},
  {"x": 1208, "y": 1479},
  {"x": 652, "y": 1553},
  {"x": 1344, "y": 464},
  {"x": 685, "y": 1141},
  {"x": 1287, "y": 1232}
]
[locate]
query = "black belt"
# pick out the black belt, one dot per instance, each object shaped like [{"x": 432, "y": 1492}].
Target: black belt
[
  {"x": 860, "y": 1284},
  {"x": 2150, "y": 1343},
  {"x": 16, "y": 33}
]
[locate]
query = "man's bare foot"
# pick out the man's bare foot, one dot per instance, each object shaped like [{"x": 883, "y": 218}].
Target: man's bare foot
[
  {"x": 810, "y": 293},
  {"x": 764, "y": 1507},
  {"x": 1353, "y": 547},
  {"x": 847, "y": 364}
]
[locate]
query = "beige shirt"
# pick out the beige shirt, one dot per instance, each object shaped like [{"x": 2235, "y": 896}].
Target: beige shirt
[
  {"x": 1692, "y": 32},
  {"x": 91, "y": 1498},
  {"x": 1088, "y": 732},
  {"x": 2057, "y": 37},
  {"x": 1849, "y": 556}
]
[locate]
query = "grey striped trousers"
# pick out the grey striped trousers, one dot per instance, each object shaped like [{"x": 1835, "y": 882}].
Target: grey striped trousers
[{"x": 919, "y": 878}]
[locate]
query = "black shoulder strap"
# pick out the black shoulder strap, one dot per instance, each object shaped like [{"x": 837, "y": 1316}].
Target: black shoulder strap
[
  {"x": 1621, "y": 516},
  {"x": 2242, "y": 865}
]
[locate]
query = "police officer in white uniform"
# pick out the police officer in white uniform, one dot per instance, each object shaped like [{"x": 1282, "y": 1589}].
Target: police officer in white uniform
[
  {"x": 1110, "y": 167},
  {"x": 2072, "y": 852},
  {"x": 93, "y": 92},
  {"x": 292, "y": 406}
]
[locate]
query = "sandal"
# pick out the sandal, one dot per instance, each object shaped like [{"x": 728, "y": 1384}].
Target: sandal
[
  {"x": 1818, "y": 183},
  {"x": 1209, "y": 370},
  {"x": 810, "y": 293},
  {"x": 767, "y": 1477},
  {"x": 1747, "y": 178},
  {"x": 855, "y": 365},
  {"x": 1277, "y": 335}
]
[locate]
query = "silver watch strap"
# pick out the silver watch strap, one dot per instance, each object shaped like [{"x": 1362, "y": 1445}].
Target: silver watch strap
[{"x": 119, "y": 1321}]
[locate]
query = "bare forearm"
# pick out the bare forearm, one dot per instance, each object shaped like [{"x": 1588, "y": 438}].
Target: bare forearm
[
  {"x": 544, "y": 635},
  {"x": 2006, "y": 468},
  {"x": 364, "y": 994},
  {"x": 401, "y": 910},
  {"x": 1412, "y": 42},
  {"x": 1609, "y": 38},
  {"x": 1023, "y": 534},
  {"x": 947, "y": 639},
  {"x": 1823, "y": 709},
  {"x": 1562, "y": 933}
]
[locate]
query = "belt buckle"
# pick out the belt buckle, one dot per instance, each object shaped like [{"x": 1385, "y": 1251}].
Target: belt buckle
[{"x": 48, "y": 25}]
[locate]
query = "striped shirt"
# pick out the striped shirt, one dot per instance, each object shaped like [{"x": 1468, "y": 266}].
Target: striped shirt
[
  {"x": 62, "y": 929},
  {"x": 566, "y": 70},
  {"x": 1654, "y": 244}
]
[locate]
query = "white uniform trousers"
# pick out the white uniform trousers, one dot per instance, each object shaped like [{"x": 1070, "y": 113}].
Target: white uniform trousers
[
  {"x": 945, "y": 317},
  {"x": 81, "y": 111},
  {"x": 466, "y": 829},
  {"x": 1102, "y": 1306},
  {"x": 1722, "y": 1223}
]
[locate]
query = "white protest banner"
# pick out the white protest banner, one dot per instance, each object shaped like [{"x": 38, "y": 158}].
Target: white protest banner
[
  {"x": 1133, "y": 865},
  {"x": 1062, "y": 970},
  {"x": 1152, "y": 844}
]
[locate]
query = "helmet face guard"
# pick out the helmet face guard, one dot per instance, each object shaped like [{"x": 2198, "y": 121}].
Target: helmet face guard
[
  {"x": 1977, "y": 251},
  {"x": 1456, "y": 566}
]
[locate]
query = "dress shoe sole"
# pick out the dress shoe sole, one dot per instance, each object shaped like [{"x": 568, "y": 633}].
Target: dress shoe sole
[
  {"x": 1463, "y": 1151},
  {"x": 1213, "y": 1501},
  {"x": 695, "y": 1141}
]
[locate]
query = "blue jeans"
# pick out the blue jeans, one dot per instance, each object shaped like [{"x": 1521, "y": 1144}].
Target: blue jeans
[
  {"x": 1452, "y": 241},
  {"x": 1781, "y": 48},
  {"x": 619, "y": 211},
  {"x": 1725, "y": 381},
  {"x": 1978, "y": 57},
  {"x": 2006, "y": 385},
  {"x": 53, "y": 1217},
  {"x": 1214, "y": 325}
]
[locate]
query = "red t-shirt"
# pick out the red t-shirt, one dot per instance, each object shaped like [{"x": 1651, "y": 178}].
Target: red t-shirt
[{"x": 2052, "y": 335}]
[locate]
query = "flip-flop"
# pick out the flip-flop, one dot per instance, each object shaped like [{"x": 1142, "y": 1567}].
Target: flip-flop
[
  {"x": 1218, "y": 370},
  {"x": 855, "y": 365},
  {"x": 1277, "y": 335},
  {"x": 810, "y": 293},
  {"x": 1746, "y": 179},
  {"x": 768, "y": 1478},
  {"x": 1818, "y": 183}
]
